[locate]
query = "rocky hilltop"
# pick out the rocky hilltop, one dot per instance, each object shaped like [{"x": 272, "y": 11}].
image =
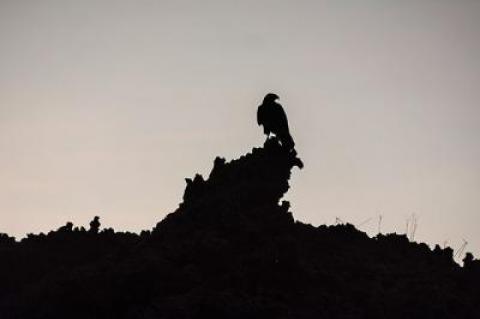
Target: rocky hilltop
[{"x": 233, "y": 250}]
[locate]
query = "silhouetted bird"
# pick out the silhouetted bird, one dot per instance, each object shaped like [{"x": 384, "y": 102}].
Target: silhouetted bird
[{"x": 271, "y": 115}]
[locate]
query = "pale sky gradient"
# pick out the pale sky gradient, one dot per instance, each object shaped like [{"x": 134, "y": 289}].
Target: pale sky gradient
[{"x": 106, "y": 106}]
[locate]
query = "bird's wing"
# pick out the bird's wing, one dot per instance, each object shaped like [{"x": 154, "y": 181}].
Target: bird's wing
[{"x": 281, "y": 116}]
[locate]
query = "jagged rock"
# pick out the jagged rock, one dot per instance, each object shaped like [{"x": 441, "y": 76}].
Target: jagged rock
[
  {"x": 5, "y": 239},
  {"x": 233, "y": 250}
]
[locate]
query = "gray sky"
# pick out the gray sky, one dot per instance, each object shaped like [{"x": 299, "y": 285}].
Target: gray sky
[{"x": 106, "y": 106}]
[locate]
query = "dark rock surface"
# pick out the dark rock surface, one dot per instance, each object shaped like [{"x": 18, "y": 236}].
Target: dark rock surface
[{"x": 233, "y": 250}]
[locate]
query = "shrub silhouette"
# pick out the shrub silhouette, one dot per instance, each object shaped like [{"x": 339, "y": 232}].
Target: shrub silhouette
[{"x": 95, "y": 225}]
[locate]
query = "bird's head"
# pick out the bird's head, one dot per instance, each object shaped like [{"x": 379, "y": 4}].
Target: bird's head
[{"x": 270, "y": 97}]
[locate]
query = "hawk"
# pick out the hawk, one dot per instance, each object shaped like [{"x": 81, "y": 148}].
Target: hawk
[{"x": 271, "y": 115}]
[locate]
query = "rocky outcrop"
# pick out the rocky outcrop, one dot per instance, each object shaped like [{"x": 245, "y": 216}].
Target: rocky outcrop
[{"x": 232, "y": 249}]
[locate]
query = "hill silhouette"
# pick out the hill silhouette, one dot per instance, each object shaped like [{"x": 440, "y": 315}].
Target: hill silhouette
[{"x": 232, "y": 249}]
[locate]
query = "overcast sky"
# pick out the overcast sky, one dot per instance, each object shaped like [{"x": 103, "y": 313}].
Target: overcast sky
[{"x": 106, "y": 106}]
